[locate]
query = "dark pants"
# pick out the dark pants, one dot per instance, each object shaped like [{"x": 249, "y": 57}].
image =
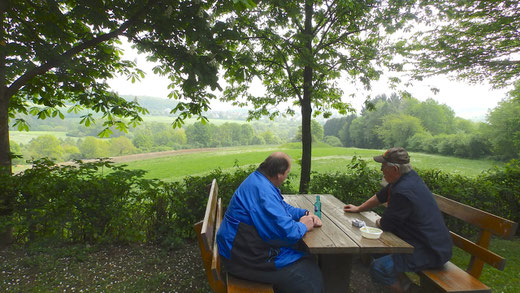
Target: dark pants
[{"x": 302, "y": 276}]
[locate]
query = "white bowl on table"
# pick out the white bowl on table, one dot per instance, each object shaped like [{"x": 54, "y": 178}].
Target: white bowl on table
[{"x": 371, "y": 232}]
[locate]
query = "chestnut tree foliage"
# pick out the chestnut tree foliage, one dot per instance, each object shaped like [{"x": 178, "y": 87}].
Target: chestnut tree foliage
[
  {"x": 475, "y": 40},
  {"x": 302, "y": 50},
  {"x": 56, "y": 55}
]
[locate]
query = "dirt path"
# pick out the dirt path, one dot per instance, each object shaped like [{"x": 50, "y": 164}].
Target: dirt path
[
  {"x": 130, "y": 158},
  {"x": 145, "y": 156}
]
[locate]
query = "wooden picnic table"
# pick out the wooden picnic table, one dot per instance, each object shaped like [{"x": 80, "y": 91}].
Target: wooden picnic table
[{"x": 338, "y": 240}]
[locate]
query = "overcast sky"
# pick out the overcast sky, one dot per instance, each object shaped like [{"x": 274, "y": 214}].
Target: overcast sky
[{"x": 468, "y": 101}]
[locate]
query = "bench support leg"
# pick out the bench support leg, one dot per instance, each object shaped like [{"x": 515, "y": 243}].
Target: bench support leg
[{"x": 336, "y": 271}]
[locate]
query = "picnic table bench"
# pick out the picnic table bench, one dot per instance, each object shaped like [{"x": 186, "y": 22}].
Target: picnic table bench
[
  {"x": 206, "y": 231},
  {"x": 451, "y": 278}
]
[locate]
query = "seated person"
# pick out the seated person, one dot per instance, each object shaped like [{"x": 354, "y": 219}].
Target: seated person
[
  {"x": 260, "y": 233},
  {"x": 413, "y": 215}
]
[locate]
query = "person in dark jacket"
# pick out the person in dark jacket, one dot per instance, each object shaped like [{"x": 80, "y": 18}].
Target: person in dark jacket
[
  {"x": 413, "y": 215},
  {"x": 260, "y": 235}
]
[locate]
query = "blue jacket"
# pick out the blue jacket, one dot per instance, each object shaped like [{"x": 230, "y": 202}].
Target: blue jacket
[
  {"x": 259, "y": 229},
  {"x": 413, "y": 215}
]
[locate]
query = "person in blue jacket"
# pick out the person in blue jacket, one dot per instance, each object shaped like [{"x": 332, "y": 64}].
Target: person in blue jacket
[
  {"x": 260, "y": 235},
  {"x": 413, "y": 215}
]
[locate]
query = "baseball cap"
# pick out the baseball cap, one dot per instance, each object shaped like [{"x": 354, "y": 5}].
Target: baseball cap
[{"x": 397, "y": 155}]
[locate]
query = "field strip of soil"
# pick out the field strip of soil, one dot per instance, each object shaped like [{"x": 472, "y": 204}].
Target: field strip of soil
[{"x": 146, "y": 156}]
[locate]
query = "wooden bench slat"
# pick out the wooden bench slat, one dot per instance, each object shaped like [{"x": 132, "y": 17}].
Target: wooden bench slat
[
  {"x": 208, "y": 224},
  {"x": 487, "y": 256},
  {"x": 476, "y": 265},
  {"x": 451, "y": 279},
  {"x": 217, "y": 286},
  {"x": 206, "y": 231},
  {"x": 215, "y": 262},
  {"x": 496, "y": 225},
  {"x": 244, "y": 286},
  {"x": 454, "y": 279}
]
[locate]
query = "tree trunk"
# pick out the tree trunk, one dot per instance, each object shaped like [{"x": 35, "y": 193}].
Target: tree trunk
[
  {"x": 6, "y": 200},
  {"x": 305, "y": 176}
]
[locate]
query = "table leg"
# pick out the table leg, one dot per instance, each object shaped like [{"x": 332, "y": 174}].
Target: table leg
[{"x": 336, "y": 271}]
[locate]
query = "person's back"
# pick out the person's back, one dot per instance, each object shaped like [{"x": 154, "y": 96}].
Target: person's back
[
  {"x": 247, "y": 233},
  {"x": 413, "y": 215},
  {"x": 260, "y": 233}
]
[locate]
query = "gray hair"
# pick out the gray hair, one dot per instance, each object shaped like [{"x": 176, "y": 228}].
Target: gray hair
[{"x": 403, "y": 168}]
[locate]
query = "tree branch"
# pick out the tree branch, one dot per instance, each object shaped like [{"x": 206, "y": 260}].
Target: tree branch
[
  {"x": 57, "y": 61},
  {"x": 320, "y": 25}
]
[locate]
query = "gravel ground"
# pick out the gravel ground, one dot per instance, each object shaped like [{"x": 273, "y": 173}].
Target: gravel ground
[{"x": 133, "y": 268}]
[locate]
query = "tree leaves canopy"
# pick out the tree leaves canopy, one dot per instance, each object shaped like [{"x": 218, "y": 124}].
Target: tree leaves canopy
[
  {"x": 60, "y": 53},
  {"x": 301, "y": 49},
  {"x": 476, "y": 40},
  {"x": 346, "y": 37}
]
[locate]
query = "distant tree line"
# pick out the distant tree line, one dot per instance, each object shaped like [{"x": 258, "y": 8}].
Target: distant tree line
[
  {"x": 431, "y": 127},
  {"x": 82, "y": 142}
]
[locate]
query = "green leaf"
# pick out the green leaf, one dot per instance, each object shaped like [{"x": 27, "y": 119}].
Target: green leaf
[{"x": 105, "y": 133}]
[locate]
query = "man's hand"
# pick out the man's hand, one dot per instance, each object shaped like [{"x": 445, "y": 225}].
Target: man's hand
[
  {"x": 311, "y": 221},
  {"x": 316, "y": 220},
  {"x": 350, "y": 208},
  {"x": 308, "y": 221}
]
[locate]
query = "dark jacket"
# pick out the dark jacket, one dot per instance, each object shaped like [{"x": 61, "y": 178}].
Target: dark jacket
[{"x": 413, "y": 215}]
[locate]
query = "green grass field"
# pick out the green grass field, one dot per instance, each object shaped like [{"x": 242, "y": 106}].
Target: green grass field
[
  {"x": 324, "y": 159},
  {"x": 26, "y": 136},
  {"x": 507, "y": 280}
]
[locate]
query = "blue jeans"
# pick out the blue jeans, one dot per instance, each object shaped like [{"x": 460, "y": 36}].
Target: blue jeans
[
  {"x": 382, "y": 270},
  {"x": 302, "y": 276}
]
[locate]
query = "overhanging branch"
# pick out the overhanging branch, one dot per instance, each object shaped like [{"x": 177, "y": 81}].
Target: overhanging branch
[{"x": 57, "y": 61}]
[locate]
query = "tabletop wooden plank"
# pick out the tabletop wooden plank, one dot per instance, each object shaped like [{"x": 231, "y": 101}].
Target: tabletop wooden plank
[
  {"x": 337, "y": 235},
  {"x": 387, "y": 243},
  {"x": 327, "y": 238}
]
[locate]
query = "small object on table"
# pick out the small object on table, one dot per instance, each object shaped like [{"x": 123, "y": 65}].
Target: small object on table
[
  {"x": 317, "y": 207},
  {"x": 358, "y": 223},
  {"x": 371, "y": 232}
]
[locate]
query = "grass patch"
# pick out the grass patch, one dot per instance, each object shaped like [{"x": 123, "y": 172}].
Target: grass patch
[
  {"x": 324, "y": 159},
  {"x": 25, "y": 137},
  {"x": 506, "y": 281}
]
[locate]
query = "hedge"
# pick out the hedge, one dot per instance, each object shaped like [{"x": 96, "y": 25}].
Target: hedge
[{"x": 99, "y": 202}]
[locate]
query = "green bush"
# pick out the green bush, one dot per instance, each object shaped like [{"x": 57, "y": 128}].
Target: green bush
[
  {"x": 99, "y": 202},
  {"x": 496, "y": 191},
  {"x": 91, "y": 202},
  {"x": 332, "y": 141},
  {"x": 355, "y": 185}
]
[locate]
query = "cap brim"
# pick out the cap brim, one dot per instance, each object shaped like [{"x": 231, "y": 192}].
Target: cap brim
[{"x": 379, "y": 159}]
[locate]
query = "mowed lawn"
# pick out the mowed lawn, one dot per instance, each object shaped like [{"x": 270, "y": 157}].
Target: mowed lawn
[
  {"x": 324, "y": 159},
  {"x": 26, "y": 136}
]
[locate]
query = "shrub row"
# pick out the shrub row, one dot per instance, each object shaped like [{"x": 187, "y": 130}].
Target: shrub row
[
  {"x": 496, "y": 191},
  {"x": 99, "y": 202},
  {"x": 462, "y": 145}
]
